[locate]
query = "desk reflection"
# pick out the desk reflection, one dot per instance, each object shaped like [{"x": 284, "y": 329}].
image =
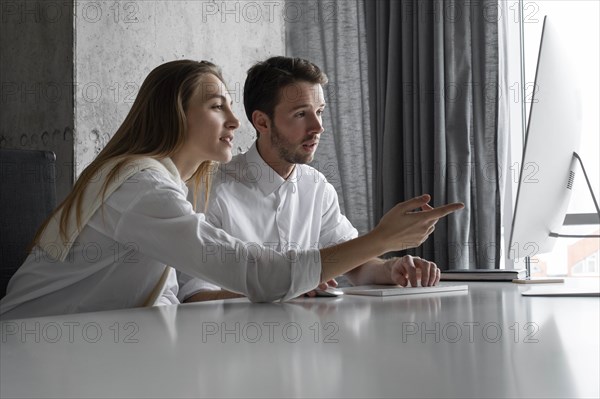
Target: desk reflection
[{"x": 487, "y": 342}]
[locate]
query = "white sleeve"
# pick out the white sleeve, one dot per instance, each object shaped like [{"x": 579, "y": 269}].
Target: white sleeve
[
  {"x": 169, "y": 295},
  {"x": 189, "y": 285},
  {"x": 335, "y": 227},
  {"x": 165, "y": 227}
]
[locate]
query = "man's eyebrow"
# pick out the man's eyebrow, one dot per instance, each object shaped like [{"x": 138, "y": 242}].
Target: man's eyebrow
[{"x": 306, "y": 105}]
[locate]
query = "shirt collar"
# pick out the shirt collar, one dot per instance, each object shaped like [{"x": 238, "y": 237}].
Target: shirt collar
[
  {"x": 172, "y": 169},
  {"x": 265, "y": 177},
  {"x": 173, "y": 173}
]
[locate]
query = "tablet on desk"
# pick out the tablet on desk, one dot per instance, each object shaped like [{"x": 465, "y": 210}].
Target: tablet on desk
[
  {"x": 483, "y": 275},
  {"x": 562, "y": 291},
  {"x": 390, "y": 290}
]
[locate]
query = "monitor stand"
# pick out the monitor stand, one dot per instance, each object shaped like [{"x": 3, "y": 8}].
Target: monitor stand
[
  {"x": 546, "y": 280},
  {"x": 536, "y": 280}
]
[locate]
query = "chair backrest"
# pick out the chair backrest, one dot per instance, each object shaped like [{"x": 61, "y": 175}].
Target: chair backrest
[{"x": 27, "y": 197}]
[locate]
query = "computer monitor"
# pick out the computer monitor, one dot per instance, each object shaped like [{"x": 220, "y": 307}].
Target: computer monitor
[{"x": 552, "y": 139}]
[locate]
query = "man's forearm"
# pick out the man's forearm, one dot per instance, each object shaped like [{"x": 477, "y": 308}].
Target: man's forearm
[
  {"x": 212, "y": 296},
  {"x": 371, "y": 272}
]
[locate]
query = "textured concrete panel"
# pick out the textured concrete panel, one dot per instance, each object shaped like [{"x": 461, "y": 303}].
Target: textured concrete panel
[
  {"x": 36, "y": 74},
  {"x": 118, "y": 44}
]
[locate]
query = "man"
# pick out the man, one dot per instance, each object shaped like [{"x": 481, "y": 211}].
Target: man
[{"x": 270, "y": 196}]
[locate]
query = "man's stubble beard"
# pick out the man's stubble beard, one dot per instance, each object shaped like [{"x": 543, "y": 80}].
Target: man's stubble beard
[{"x": 285, "y": 149}]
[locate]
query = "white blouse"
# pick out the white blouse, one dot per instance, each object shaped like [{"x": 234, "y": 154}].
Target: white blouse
[{"x": 120, "y": 255}]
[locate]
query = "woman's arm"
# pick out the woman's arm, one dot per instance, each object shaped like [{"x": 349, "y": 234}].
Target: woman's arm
[{"x": 163, "y": 225}]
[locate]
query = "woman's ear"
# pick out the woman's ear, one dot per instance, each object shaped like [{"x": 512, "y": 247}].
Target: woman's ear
[{"x": 261, "y": 122}]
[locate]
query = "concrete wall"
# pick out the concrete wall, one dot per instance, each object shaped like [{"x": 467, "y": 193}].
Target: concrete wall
[
  {"x": 118, "y": 44},
  {"x": 76, "y": 66},
  {"x": 36, "y": 81}
]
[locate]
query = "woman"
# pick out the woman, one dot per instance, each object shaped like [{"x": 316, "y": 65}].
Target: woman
[{"x": 114, "y": 241}]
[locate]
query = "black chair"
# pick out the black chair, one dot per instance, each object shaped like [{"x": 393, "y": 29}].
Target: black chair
[{"x": 27, "y": 197}]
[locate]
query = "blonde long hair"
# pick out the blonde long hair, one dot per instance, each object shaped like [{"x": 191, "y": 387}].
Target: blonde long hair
[{"x": 155, "y": 127}]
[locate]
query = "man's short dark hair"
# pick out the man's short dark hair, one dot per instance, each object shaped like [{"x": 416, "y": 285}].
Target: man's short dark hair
[{"x": 265, "y": 80}]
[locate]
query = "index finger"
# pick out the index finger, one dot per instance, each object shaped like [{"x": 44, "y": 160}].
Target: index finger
[{"x": 444, "y": 210}]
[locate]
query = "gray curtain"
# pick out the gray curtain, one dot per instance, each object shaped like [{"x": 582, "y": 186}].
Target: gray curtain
[
  {"x": 433, "y": 79},
  {"x": 332, "y": 35}
]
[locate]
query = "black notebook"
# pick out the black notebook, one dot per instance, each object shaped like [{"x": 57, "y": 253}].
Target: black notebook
[{"x": 483, "y": 275}]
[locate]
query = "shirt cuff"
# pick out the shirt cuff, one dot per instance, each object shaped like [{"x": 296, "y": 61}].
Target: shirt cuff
[{"x": 305, "y": 272}]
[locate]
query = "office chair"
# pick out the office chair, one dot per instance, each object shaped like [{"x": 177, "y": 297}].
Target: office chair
[{"x": 27, "y": 197}]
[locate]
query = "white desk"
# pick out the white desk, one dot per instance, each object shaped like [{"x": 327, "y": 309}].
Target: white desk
[{"x": 366, "y": 347}]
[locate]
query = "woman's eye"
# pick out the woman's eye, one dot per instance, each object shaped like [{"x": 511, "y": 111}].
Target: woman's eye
[
  {"x": 300, "y": 114},
  {"x": 218, "y": 106}
]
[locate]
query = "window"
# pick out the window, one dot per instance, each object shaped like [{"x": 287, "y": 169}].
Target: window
[{"x": 587, "y": 267}]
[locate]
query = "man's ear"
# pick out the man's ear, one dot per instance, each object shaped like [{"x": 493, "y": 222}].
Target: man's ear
[{"x": 261, "y": 122}]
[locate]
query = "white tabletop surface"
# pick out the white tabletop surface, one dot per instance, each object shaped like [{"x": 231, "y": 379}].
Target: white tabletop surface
[{"x": 487, "y": 342}]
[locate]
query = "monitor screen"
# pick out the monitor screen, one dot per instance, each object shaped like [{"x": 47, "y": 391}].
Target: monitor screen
[{"x": 548, "y": 164}]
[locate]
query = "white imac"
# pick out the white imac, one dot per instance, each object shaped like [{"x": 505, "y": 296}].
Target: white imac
[{"x": 550, "y": 152}]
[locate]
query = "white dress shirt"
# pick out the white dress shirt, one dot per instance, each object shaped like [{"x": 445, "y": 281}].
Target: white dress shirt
[
  {"x": 121, "y": 253},
  {"x": 250, "y": 201}
]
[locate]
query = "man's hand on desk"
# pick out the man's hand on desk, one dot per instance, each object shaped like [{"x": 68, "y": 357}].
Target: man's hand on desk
[
  {"x": 322, "y": 286},
  {"x": 412, "y": 269},
  {"x": 396, "y": 271}
]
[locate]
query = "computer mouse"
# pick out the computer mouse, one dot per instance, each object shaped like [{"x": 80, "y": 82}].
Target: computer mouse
[{"x": 329, "y": 292}]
